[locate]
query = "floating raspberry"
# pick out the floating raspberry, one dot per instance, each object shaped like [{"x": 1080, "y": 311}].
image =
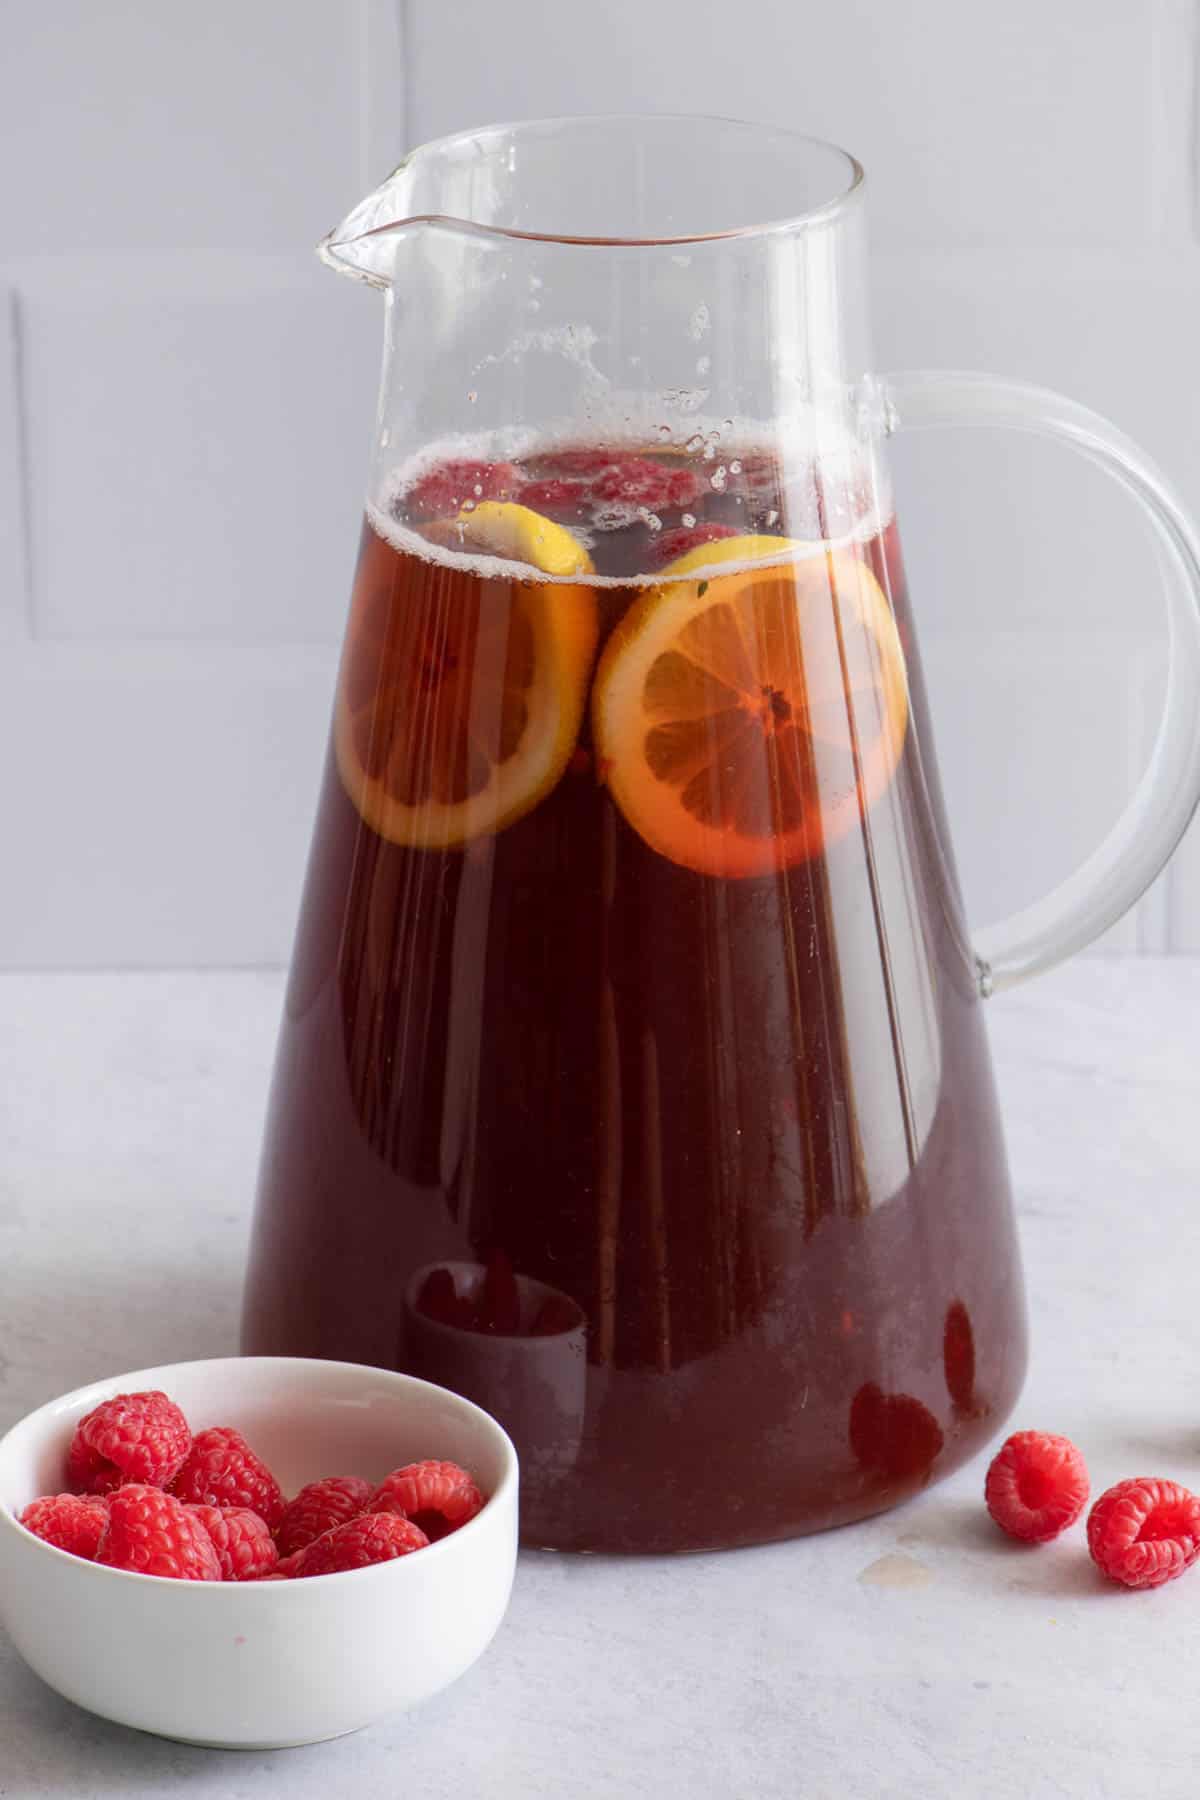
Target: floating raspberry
[
  {"x": 150, "y": 1532},
  {"x": 222, "y": 1470},
  {"x": 672, "y": 544},
  {"x": 245, "y": 1548},
  {"x": 498, "y": 1302},
  {"x": 437, "y": 1496},
  {"x": 636, "y": 481},
  {"x": 1145, "y": 1532},
  {"x": 556, "y": 495},
  {"x": 1037, "y": 1486},
  {"x": 371, "y": 1538},
  {"x": 132, "y": 1437},
  {"x": 320, "y": 1506},
  {"x": 73, "y": 1522},
  {"x": 455, "y": 483},
  {"x": 895, "y": 1434},
  {"x": 572, "y": 480}
]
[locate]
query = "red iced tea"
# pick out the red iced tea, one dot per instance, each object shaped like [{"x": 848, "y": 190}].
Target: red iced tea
[{"x": 632, "y": 974}]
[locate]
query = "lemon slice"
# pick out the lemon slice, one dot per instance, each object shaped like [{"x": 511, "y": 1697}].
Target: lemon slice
[
  {"x": 746, "y": 720},
  {"x": 462, "y": 692},
  {"x": 516, "y": 533},
  {"x": 746, "y": 549}
]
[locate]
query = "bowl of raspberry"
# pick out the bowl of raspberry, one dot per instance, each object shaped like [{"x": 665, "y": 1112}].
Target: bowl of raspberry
[{"x": 255, "y": 1552}]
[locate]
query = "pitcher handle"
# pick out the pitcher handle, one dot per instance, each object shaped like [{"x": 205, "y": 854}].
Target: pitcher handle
[{"x": 1139, "y": 844}]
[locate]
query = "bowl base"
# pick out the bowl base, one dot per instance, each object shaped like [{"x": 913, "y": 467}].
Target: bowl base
[{"x": 291, "y": 1743}]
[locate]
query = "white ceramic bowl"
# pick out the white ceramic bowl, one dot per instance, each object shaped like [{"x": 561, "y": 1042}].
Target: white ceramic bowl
[{"x": 274, "y": 1663}]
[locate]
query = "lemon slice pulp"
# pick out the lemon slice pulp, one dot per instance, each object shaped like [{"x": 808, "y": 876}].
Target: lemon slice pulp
[{"x": 746, "y": 720}]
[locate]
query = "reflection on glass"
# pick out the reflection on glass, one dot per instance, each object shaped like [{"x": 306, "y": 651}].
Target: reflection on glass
[
  {"x": 894, "y": 1435},
  {"x": 958, "y": 1359},
  {"x": 514, "y": 1346}
]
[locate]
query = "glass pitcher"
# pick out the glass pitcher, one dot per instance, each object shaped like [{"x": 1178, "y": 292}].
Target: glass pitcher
[{"x": 633, "y": 1077}]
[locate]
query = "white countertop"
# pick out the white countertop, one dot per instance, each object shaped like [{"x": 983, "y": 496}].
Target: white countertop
[{"x": 917, "y": 1654}]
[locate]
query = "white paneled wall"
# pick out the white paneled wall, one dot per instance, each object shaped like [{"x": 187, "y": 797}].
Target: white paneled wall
[
  {"x": 181, "y": 463},
  {"x": 186, "y": 398}
]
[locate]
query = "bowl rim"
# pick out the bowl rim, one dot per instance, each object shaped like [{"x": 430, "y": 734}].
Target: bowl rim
[{"x": 139, "y": 1379}]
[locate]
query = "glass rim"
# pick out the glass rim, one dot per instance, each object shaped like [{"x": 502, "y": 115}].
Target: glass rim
[{"x": 821, "y": 214}]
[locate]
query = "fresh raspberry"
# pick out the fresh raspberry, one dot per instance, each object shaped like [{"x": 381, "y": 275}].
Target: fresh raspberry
[
  {"x": 894, "y": 1434},
  {"x": 498, "y": 1302},
  {"x": 152, "y": 1533},
  {"x": 320, "y": 1506},
  {"x": 636, "y": 481},
  {"x": 245, "y": 1548},
  {"x": 452, "y": 484},
  {"x": 371, "y": 1538},
  {"x": 958, "y": 1358},
  {"x": 1145, "y": 1532},
  {"x": 672, "y": 544},
  {"x": 73, "y": 1522},
  {"x": 1037, "y": 1485},
  {"x": 132, "y": 1437},
  {"x": 437, "y": 1496},
  {"x": 222, "y": 1470},
  {"x": 556, "y": 495}
]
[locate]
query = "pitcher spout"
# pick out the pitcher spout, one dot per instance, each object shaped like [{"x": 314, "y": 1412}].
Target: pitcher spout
[{"x": 363, "y": 245}]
